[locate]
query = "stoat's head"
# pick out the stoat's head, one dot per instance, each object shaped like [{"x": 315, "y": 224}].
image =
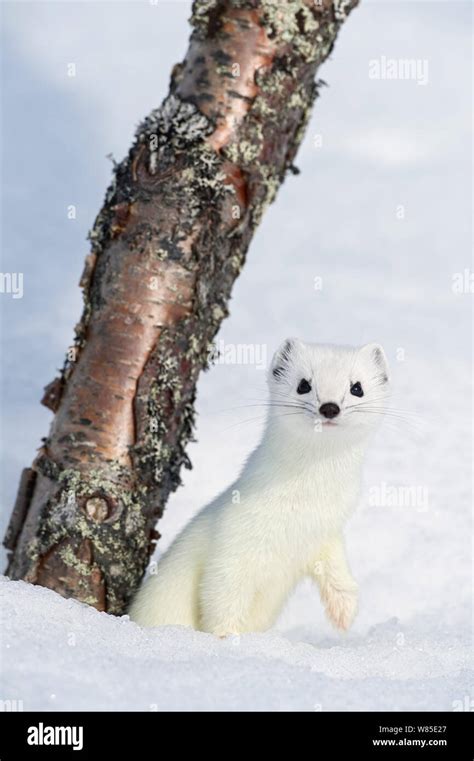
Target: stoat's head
[{"x": 337, "y": 391}]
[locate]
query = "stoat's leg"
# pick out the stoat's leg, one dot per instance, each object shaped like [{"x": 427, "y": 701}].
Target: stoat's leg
[
  {"x": 336, "y": 585},
  {"x": 226, "y": 599}
]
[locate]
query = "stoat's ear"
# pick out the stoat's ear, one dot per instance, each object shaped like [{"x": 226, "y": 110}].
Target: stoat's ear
[
  {"x": 375, "y": 354},
  {"x": 283, "y": 358}
]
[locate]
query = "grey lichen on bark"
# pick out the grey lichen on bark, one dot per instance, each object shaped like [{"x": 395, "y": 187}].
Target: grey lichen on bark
[{"x": 166, "y": 248}]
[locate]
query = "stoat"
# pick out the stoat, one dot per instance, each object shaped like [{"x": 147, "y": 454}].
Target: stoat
[{"x": 233, "y": 566}]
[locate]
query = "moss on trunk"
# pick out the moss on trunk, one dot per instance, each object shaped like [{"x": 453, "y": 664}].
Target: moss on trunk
[{"x": 166, "y": 248}]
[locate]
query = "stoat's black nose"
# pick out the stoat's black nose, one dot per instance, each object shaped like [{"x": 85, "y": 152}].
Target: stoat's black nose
[{"x": 329, "y": 410}]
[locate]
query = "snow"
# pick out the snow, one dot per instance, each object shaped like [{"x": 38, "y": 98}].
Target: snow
[
  {"x": 63, "y": 655},
  {"x": 380, "y": 214}
]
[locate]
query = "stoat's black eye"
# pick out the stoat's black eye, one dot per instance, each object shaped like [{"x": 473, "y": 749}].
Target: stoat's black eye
[
  {"x": 356, "y": 389},
  {"x": 304, "y": 386}
]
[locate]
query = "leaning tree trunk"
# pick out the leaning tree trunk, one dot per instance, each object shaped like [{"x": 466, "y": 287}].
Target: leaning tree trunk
[{"x": 166, "y": 248}]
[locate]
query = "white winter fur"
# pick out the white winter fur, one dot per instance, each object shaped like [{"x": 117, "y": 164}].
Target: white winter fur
[{"x": 233, "y": 566}]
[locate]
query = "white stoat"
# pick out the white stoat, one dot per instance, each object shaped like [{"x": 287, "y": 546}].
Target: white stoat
[{"x": 233, "y": 566}]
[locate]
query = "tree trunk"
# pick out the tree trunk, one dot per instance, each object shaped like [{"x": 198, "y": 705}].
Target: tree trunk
[{"x": 166, "y": 248}]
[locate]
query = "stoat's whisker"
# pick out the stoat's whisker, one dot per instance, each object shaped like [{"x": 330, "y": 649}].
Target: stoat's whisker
[
  {"x": 386, "y": 412},
  {"x": 369, "y": 404},
  {"x": 262, "y": 417},
  {"x": 269, "y": 405},
  {"x": 390, "y": 417}
]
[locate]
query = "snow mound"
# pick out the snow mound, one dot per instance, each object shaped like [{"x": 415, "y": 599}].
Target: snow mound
[{"x": 59, "y": 654}]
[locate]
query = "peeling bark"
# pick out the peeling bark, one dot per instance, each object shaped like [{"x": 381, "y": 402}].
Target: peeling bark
[{"x": 166, "y": 248}]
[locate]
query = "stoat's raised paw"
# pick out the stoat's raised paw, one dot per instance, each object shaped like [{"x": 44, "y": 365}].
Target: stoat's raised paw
[{"x": 341, "y": 606}]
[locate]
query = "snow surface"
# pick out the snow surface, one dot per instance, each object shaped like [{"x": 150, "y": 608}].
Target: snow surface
[
  {"x": 387, "y": 275},
  {"x": 63, "y": 655}
]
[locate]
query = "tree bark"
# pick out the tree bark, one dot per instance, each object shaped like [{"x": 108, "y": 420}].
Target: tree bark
[{"x": 166, "y": 248}]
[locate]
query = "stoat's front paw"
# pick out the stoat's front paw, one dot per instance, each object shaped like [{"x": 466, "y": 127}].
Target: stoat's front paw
[
  {"x": 222, "y": 630},
  {"x": 341, "y": 606}
]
